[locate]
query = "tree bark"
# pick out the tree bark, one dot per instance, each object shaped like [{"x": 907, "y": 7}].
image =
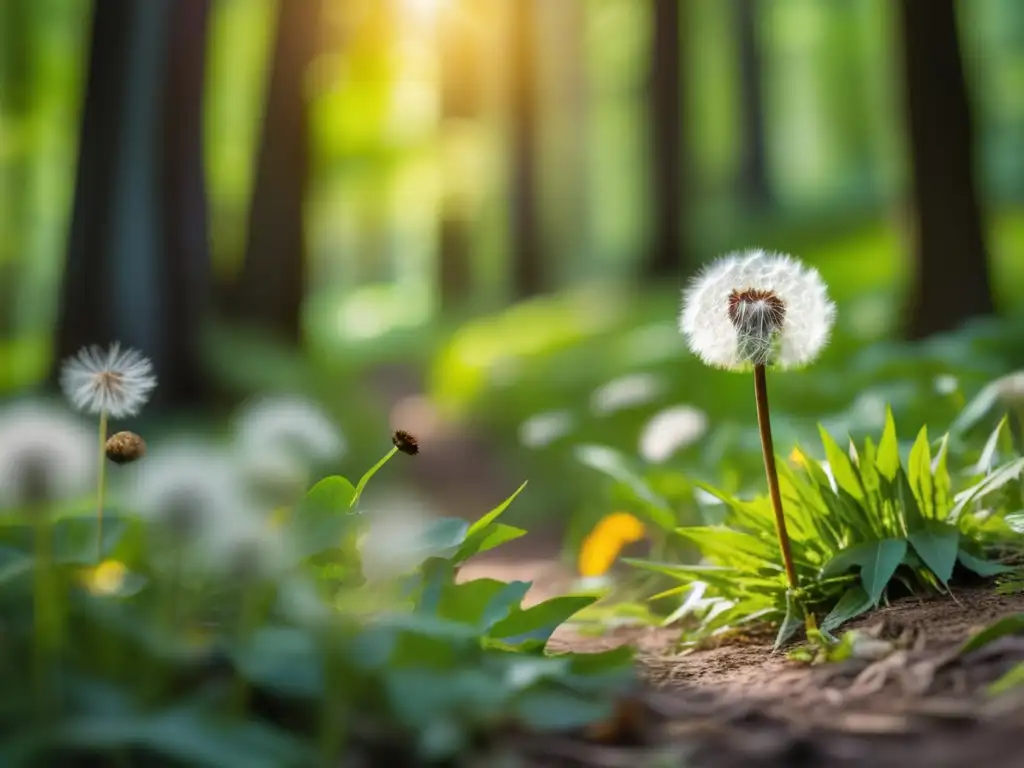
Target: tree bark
[
  {"x": 268, "y": 293},
  {"x": 138, "y": 259},
  {"x": 668, "y": 251},
  {"x": 525, "y": 236},
  {"x": 952, "y": 275},
  {"x": 755, "y": 189}
]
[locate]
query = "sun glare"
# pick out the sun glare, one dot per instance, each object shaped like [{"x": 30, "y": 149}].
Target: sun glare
[{"x": 425, "y": 10}]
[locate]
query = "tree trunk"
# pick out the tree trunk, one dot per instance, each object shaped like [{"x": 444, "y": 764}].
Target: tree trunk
[
  {"x": 138, "y": 259},
  {"x": 459, "y": 104},
  {"x": 754, "y": 187},
  {"x": 526, "y": 240},
  {"x": 952, "y": 276},
  {"x": 667, "y": 257},
  {"x": 269, "y": 291}
]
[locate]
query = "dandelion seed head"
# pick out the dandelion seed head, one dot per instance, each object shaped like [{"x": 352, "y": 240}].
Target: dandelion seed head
[
  {"x": 671, "y": 430},
  {"x": 117, "y": 382},
  {"x": 757, "y": 308},
  {"x": 45, "y": 454}
]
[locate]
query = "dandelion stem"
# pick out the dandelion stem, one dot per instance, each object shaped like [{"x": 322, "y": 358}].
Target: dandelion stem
[
  {"x": 101, "y": 487},
  {"x": 370, "y": 473},
  {"x": 768, "y": 451}
]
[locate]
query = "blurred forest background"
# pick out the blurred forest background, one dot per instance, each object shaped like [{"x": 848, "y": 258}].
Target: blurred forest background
[{"x": 471, "y": 219}]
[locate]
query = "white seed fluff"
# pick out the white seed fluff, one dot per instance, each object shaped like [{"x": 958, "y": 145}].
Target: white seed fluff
[
  {"x": 114, "y": 382},
  {"x": 40, "y": 440},
  {"x": 800, "y": 336}
]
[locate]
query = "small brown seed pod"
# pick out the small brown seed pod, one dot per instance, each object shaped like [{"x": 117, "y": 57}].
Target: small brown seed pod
[
  {"x": 405, "y": 442},
  {"x": 125, "y": 447}
]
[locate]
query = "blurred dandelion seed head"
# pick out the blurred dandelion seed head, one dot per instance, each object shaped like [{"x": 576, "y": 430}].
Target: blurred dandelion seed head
[
  {"x": 45, "y": 454},
  {"x": 280, "y": 426},
  {"x": 542, "y": 429},
  {"x": 629, "y": 391},
  {"x": 757, "y": 308},
  {"x": 117, "y": 382},
  {"x": 672, "y": 430}
]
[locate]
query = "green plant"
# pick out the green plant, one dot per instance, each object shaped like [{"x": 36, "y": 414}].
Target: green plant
[
  {"x": 860, "y": 527},
  {"x": 291, "y": 659}
]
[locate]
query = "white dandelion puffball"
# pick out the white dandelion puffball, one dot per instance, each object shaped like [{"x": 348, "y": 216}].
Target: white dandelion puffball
[
  {"x": 114, "y": 382},
  {"x": 278, "y": 425},
  {"x": 42, "y": 445},
  {"x": 671, "y": 430},
  {"x": 187, "y": 487},
  {"x": 757, "y": 308}
]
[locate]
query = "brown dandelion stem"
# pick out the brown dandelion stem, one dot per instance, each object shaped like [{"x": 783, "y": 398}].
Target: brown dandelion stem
[
  {"x": 101, "y": 488},
  {"x": 764, "y": 426}
]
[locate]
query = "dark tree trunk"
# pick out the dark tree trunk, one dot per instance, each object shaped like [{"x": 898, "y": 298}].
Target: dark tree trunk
[
  {"x": 952, "y": 276},
  {"x": 269, "y": 291},
  {"x": 667, "y": 257},
  {"x": 459, "y": 103},
  {"x": 526, "y": 239},
  {"x": 138, "y": 260},
  {"x": 753, "y": 172}
]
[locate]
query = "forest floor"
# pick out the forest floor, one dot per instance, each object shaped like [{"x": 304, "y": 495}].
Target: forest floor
[{"x": 740, "y": 704}]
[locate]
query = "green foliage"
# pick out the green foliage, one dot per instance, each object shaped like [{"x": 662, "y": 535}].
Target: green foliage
[
  {"x": 304, "y": 663},
  {"x": 862, "y": 524}
]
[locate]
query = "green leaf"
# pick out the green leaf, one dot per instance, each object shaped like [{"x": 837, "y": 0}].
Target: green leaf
[
  {"x": 842, "y": 467},
  {"x": 554, "y": 710},
  {"x": 919, "y": 471},
  {"x": 481, "y": 602},
  {"x": 888, "y": 458},
  {"x": 852, "y": 604},
  {"x": 1008, "y": 625},
  {"x": 791, "y": 623},
  {"x": 878, "y": 561},
  {"x": 1015, "y": 522},
  {"x": 1012, "y": 679},
  {"x": 491, "y": 537},
  {"x": 484, "y": 522},
  {"x": 323, "y": 517},
  {"x": 981, "y": 566},
  {"x": 733, "y": 548},
  {"x": 975, "y": 410},
  {"x": 614, "y": 465},
  {"x": 75, "y": 537},
  {"x": 540, "y": 621},
  {"x": 912, "y": 516},
  {"x": 442, "y": 538},
  {"x": 1005, "y": 474},
  {"x": 937, "y": 544}
]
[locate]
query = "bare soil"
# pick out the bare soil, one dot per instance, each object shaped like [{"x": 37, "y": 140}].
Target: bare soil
[{"x": 740, "y": 704}]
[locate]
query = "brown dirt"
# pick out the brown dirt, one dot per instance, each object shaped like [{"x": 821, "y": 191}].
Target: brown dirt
[{"x": 740, "y": 704}]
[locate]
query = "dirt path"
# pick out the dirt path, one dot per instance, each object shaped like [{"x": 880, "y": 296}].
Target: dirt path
[{"x": 738, "y": 704}]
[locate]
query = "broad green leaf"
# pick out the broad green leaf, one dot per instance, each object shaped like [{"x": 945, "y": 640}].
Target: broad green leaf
[
  {"x": 442, "y": 538},
  {"x": 852, "y": 604},
  {"x": 282, "y": 660},
  {"x": 888, "y": 459},
  {"x": 493, "y": 536},
  {"x": 979, "y": 565},
  {"x": 481, "y": 602},
  {"x": 1008, "y": 625},
  {"x": 912, "y": 516},
  {"x": 75, "y": 538},
  {"x": 613, "y": 464},
  {"x": 539, "y": 621},
  {"x": 323, "y": 517},
  {"x": 554, "y": 710},
  {"x": 937, "y": 544},
  {"x": 942, "y": 483},
  {"x": 976, "y": 409},
  {"x": 878, "y": 561},
  {"x": 842, "y": 467}
]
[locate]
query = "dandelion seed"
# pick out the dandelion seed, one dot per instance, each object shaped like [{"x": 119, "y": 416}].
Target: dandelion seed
[
  {"x": 757, "y": 308},
  {"x": 45, "y": 455},
  {"x": 112, "y": 382},
  {"x": 286, "y": 424}
]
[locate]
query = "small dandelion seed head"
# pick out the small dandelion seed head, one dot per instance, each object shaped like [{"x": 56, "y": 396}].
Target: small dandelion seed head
[
  {"x": 757, "y": 308},
  {"x": 115, "y": 381},
  {"x": 405, "y": 442},
  {"x": 45, "y": 455},
  {"x": 125, "y": 448}
]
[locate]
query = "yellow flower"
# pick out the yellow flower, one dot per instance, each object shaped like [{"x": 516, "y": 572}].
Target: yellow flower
[
  {"x": 604, "y": 543},
  {"x": 797, "y": 458},
  {"x": 107, "y": 578}
]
